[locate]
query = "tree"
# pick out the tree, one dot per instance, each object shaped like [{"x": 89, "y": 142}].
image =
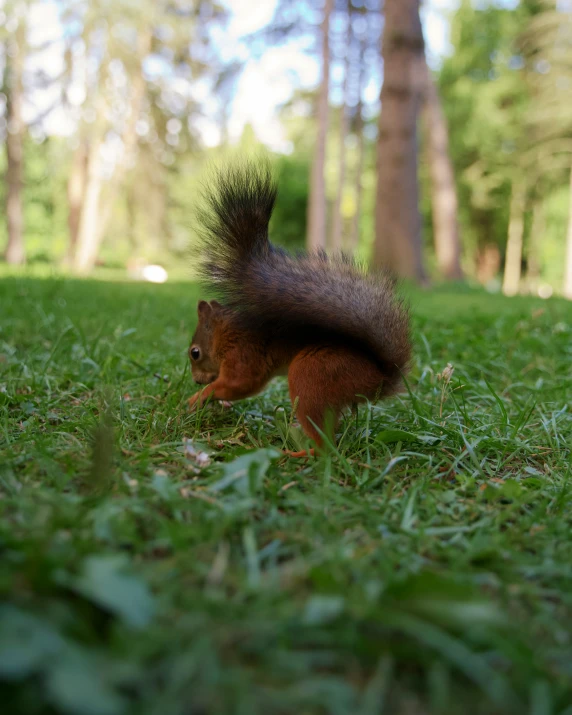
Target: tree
[
  {"x": 537, "y": 228},
  {"x": 349, "y": 30},
  {"x": 77, "y": 180},
  {"x": 96, "y": 211},
  {"x": 358, "y": 130},
  {"x": 484, "y": 95},
  {"x": 337, "y": 218},
  {"x": 397, "y": 217},
  {"x": 545, "y": 44},
  {"x": 567, "y": 288},
  {"x": 367, "y": 24},
  {"x": 443, "y": 187},
  {"x": 513, "y": 258},
  {"x": 15, "y": 130},
  {"x": 127, "y": 109},
  {"x": 316, "y": 236}
]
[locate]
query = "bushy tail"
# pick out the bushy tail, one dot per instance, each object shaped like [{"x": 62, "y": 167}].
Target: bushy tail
[
  {"x": 233, "y": 223},
  {"x": 307, "y": 295}
]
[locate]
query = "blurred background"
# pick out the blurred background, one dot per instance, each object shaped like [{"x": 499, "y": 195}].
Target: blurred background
[{"x": 432, "y": 137}]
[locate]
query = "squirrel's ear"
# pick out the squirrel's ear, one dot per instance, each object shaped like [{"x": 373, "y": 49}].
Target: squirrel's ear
[{"x": 203, "y": 309}]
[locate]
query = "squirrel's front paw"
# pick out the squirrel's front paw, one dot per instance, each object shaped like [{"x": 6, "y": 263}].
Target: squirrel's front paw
[{"x": 194, "y": 402}]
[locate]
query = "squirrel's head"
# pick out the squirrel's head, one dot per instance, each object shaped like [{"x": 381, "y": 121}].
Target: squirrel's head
[{"x": 204, "y": 363}]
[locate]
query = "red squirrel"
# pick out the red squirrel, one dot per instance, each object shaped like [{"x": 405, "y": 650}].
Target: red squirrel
[{"x": 340, "y": 335}]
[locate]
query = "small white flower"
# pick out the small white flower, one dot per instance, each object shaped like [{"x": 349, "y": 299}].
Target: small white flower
[
  {"x": 201, "y": 459},
  {"x": 447, "y": 373}
]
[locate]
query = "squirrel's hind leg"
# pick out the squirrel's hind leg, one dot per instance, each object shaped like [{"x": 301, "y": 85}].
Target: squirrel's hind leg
[{"x": 327, "y": 379}]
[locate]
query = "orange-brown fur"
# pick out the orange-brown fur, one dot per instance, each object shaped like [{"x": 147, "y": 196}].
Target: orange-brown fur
[{"x": 323, "y": 378}]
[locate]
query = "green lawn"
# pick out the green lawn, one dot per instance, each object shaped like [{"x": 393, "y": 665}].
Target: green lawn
[{"x": 424, "y": 566}]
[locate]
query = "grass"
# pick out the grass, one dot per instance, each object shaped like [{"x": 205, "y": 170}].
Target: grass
[{"x": 423, "y": 566}]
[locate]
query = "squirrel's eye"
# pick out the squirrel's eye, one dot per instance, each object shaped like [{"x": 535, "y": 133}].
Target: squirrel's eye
[{"x": 195, "y": 353}]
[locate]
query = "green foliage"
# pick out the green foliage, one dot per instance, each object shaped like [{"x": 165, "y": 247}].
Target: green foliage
[
  {"x": 288, "y": 227},
  {"x": 556, "y": 206},
  {"x": 45, "y": 206},
  {"x": 423, "y": 563},
  {"x": 483, "y": 90},
  {"x": 505, "y": 108}
]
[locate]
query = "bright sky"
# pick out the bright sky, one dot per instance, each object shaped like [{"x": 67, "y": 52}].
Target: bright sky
[{"x": 264, "y": 84}]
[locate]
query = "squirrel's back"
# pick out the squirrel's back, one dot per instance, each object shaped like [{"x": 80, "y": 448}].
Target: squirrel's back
[{"x": 289, "y": 296}]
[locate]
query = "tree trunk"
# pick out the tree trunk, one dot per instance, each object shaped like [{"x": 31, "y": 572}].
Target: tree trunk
[
  {"x": 513, "y": 259},
  {"x": 443, "y": 189},
  {"x": 129, "y": 136},
  {"x": 337, "y": 223},
  {"x": 316, "y": 235},
  {"x": 15, "y": 252},
  {"x": 534, "y": 241},
  {"x": 355, "y": 235},
  {"x": 77, "y": 181},
  {"x": 568, "y": 268},
  {"x": 88, "y": 229},
  {"x": 97, "y": 209},
  {"x": 131, "y": 205},
  {"x": 397, "y": 218},
  {"x": 354, "y": 242}
]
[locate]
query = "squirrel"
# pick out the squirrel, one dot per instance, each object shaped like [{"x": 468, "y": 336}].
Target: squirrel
[{"x": 340, "y": 335}]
